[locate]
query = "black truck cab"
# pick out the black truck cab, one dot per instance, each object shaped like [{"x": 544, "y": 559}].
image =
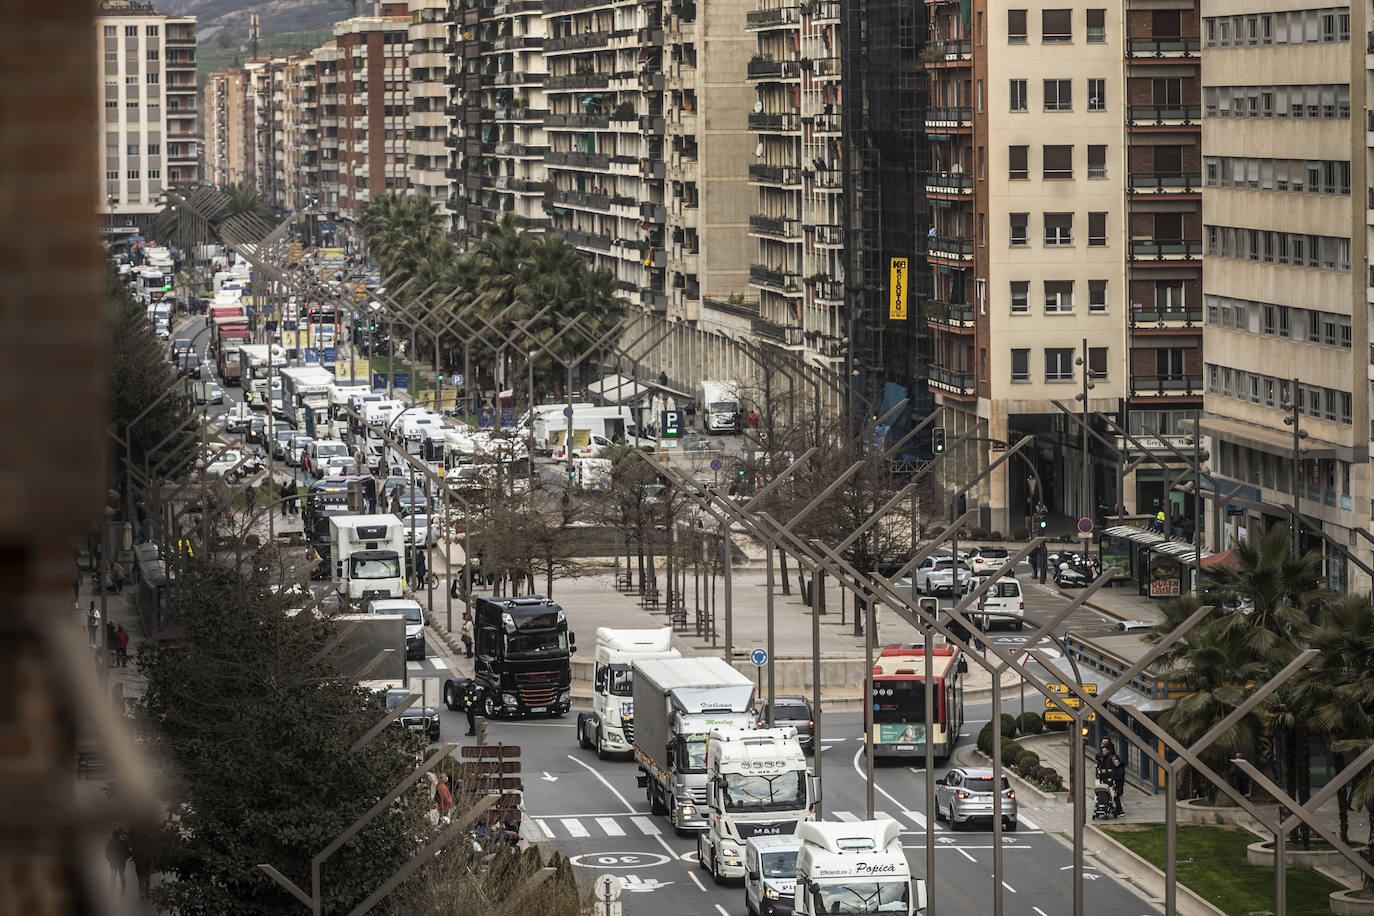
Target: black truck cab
[{"x": 523, "y": 656}]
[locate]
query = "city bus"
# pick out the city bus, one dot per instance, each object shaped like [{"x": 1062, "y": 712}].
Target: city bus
[{"x": 896, "y": 724}]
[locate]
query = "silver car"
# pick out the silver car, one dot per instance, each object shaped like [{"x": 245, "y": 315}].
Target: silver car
[{"x": 965, "y": 793}]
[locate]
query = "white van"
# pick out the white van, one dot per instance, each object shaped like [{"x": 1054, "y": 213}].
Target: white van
[
  {"x": 770, "y": 874},
  {"x": 1001, "y": 603}
]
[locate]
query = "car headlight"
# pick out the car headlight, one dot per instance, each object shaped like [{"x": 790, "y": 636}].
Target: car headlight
[
  {"x": 687, "y": 811},
  {"x": 508, "y": 699},
  {"x": 770, "y": 893},
  {"x": 565, "y": 696}
]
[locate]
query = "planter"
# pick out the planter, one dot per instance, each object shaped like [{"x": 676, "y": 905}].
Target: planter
[
  {"x": 1194, "y": 811},
  {"x": 1344, "y": 903},
  {"x": 1263, "y": 854}
]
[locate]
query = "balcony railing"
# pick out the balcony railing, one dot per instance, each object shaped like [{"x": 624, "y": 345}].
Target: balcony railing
[
  {"x": 948, "y": 314},
  {"x": 1166, "y": 385},
  {"x": 577, "y": 42},
  {"x": 1163, "y": 47},
  {"x": 949, "y": 183},
  {"x": 1165, "y": 182},
  {"x": 783, "y": 280},
  {"x": 770, "y": 19},
  {"x": 952, "y": 380},
  {"x": 947, "y": 247},
  {"x": 765, "y": 69},
  {"x": 785, "y": 175},
  {"x": 829, "y": 291},
  {"x": 829, "y": 122},
  {"x": 579, "y": 81},
  {"x": 587, "y": 240},
  {"x": 581, "y": 121},
  {"x": 1166, "y": 318},
  {"x": 1149, "y": 249},
  {"x": 944, "y": 117},
  {"x": 768, "y": 121},
  {"x": 954, "y": 49},
  {"x": 598, "y": 202},
  {"x": 1146, "y": 115},
  {"x": 769, "y": 330},
  {"x": 781, "y": 228},
  {"x": 595, "y": 161}
]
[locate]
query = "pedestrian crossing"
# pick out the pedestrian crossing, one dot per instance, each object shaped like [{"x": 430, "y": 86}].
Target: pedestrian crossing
[
  {"x": 590, "y": 826},
  {"x": 421, "y": 666}
]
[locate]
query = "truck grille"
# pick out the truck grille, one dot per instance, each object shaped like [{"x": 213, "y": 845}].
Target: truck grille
[
  {"x": 538, "y": 688},
  {"x": 698, "y": 795},
  {"x": 629, "y": 726}
]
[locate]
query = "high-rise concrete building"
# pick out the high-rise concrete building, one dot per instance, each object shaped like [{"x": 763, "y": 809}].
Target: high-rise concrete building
[
  {"x": 301, "y": 126},
  {"x": 326, "y": 60},
  {"x": 226, "y": 140},
  {"x": 148, "y": 119},
  {"x": 1287, "y": 295},
  {"x": 429, "y": 64},
  {"x": 373, "y": 106}
]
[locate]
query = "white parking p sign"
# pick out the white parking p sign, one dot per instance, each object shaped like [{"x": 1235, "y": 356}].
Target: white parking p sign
[{"x": 671, "y": 424}]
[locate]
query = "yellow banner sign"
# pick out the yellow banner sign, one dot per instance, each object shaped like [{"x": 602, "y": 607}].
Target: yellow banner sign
[
  {"x": 1054, "y": 715},
  {"x": 1090, "y": 689},
  {"x": 897, "y": 290}
]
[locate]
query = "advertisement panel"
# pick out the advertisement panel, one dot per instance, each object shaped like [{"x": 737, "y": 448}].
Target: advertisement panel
[
  {"x": 1116, "y": 551},
  {"x": 897, "y": 290},
  {"x": 899, "y": 733},
  {"x": 1165, "y": 576}
]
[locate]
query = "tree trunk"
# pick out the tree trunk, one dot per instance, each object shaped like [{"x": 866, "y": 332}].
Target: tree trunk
[
  {"x": 1343, "y": 801},
  {"x": 782, "y": 569},
  {"x": 820, "y": 584},
  {"x": 548, "y": 576},
  {"x": 639, "y": 550}
]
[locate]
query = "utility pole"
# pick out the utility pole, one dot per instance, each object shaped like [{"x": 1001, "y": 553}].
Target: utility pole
[{"x": 1299, "y": 434}]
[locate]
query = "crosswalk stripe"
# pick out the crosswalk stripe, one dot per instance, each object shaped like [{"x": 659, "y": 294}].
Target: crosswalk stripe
[
  {"x": 1025, "y": 823},
  {"x": 847, "y": 816},
  {"x": 544, "y": 828},
  {"x": 917, "y": 818},
  {"x": 883, "y": 816},
  {"x": 610, "y": 826},
  {"x": 574, "y": 827},
  {"x": 646, "y": 826}
]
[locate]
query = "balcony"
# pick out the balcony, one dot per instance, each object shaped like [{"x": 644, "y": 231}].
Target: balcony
[
  {"x": 828, "y": 291},
  {"x": 765, "y": 69},
  {"x": 1166, "y": 386},
  {"x": 957, "y": 316},
  {"x": 768, "y": 330},
  {"x": 1163, "y": 48},
  {"x": 952, "y": 381},
  {"x": 519, "y": 115},
  {"x": 1146, "y": 319},
  {"x": 950, "y": 249},
  {"x": 593, "y": 161},
  {"x": 577, "y": 42},
  {"x": 586, "y": 240},
  {"x": 952, "y": 183},
  {"x": 783, "y": 281},
  {"x": 950, "y": 51},
  {"x": 767, "y": 122},
  {"x": 1164, "y": 116},
  {"x": 762, "y": 20},
  {"x": 826, "y": 235},
  {"x": 949, "y": 119},
  {"x": 518, "y": 78},
  {"x": 578, "y": 121},
  {"x": 785, "y": 229},
  {"x": 520, "y": 185},
  {"x": 830, "y": 122},
  {"x": 578, "y": 81},
  {"x": 782, "y": 175},
  {"x": 1165, "y": 183},
  {"x": 600, "y": 203},
  {"x": 1152, "y": 250}
]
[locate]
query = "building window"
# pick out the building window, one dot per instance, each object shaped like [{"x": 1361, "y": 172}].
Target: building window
[
  {"x": 1097, "y": 296},
  {"x": 1058, "y": 95},
  {"x": 1097, "y": 362},
  {"x": 1058, "y": 162},
  {"x": 151, "y": 31},
  {"x": 131, "y": 31},
  {"x": 1056, "y": 26},
  {"x": 133, "y": 174},
  {"x": 1058, "y": 229},
  {"x": 1016, "y": 26},
  {"x": 1058, "y": 364},
  {"x": 112, "y": 175},
  {"x": 131, "y": 79},
  {"x": 133, "y": 149},
  {"x": 111, "y": 31},
  {"x": 1097, "y": 228},
  {"x": 1097, "y": 95},
  {"x": 1097, "y": 25},
  {"x": 152, "y": 53},
  {"x": 1018, "y": 164},
  {"x": 1020, "y": 297},
  {"x": 152, "y": 78},
  {"x": 1019, "y": 101},
  {"x": 154, "y": 174},
  {"x": 1169, "y": 363},
  {"x": 154, "y": 149},
  {"x": 1097, "y": 161},
  {"x": 1020, "y": 232},
  {"x": 1020, "y": 365},
  {"x": 1058, "y": 296}
]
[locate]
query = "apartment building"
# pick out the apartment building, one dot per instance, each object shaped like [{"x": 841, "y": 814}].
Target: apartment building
[
  {"x": 373, "y": 107},
  {"x": 148, "y": 123},
  {"x": 1286, "y": 177},
  {"x": 301, "y": 129},
  {"x": 225, "y": 154},
  {"x": 326, "y": 59},
  {"x": 429, "y": 39},
  {"x": 1027, "y": 248}
]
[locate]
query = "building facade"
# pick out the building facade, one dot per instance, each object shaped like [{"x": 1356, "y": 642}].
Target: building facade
[
  {"x": 430, "y": 35},
  {"x": 373, "y": 106},
  {"x": 1287, "y": 296},
  {"x": 149, "y": 111},
  {"x": 225, "y": 152}
]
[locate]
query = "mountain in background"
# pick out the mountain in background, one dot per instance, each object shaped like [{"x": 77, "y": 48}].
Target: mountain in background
[{"x": 225, "y": 22}]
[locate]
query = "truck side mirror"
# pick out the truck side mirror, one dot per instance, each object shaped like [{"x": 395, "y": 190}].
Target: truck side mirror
[
  {"x": 671, "y": 758},
  {"x": 753, "y": 876},
  {"x": 815, "y": 789}
]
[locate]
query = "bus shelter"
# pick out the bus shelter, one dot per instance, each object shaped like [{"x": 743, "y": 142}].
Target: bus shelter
[{"x": 1160, "y": 567}]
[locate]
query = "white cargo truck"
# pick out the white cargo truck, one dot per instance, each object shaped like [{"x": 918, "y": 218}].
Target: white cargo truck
[
  {"x": 855, "y": 867},
  {"x": 720, "y": 406},
  {"x": 677, "y": 704},
  {"x": 610, "y": 724},
  {"x": 368, "y": 552},
  {"x": 757, "y": 784}
]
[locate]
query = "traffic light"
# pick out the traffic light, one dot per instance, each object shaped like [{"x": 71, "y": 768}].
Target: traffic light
[
  {"x": 572, "y": 473},
  {"x": 937, "y": 440},
  {"x": 1041, "y": 518}
]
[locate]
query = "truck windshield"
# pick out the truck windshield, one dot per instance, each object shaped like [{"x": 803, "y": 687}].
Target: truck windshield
[
  {"x": 861, "y": 897},
  {"x": 621, "y": 681},
  {"x": 691, "y": 755},
  {"x": 549, "y": 642},
  {"x": 725, "y": 406},
  {"x": 765, "y": 793},
  {"x": 375, "y": 568}
]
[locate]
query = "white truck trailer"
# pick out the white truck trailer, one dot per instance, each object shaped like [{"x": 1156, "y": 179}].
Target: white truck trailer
[
  {"x": 678, "y": 702},
  {"x": 856, "y": 867},
  {"x": 610, "y": 724},
  {"x": 368, "y": 552},
  {"x": 757, "y": 785},
  {"x": 720, "y": 406}
]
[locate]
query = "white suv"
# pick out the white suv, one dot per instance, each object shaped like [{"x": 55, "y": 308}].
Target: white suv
[
  {"x": 1002, "y": 602},
  {"x": 935, "y": 576}
]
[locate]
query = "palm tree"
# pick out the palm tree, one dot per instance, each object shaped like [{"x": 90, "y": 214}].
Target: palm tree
[{"x": 403, "y": 232}]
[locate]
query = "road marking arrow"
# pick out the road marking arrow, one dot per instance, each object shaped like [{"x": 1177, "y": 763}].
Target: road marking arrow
[
  {"x": 944, "y": 839},
  {"x": 548, "y": 778}
]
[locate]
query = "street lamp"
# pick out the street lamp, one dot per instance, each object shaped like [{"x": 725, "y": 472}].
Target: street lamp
[
  {"x": 1086, "y": 502},
  {"x": 1293, "y": 404}
]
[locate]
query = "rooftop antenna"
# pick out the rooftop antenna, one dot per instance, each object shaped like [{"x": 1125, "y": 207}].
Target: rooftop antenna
[{"x": 253, "y": 34}]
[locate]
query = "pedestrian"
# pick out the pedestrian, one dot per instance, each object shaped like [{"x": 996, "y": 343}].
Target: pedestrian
[
  {"x": 284, "y": 494},
  {"x": 122, "y": 646},
  {"x": 93, "y": 622},
  {"x": 472, "y": 697},
  {"x": 117, "y": 854},
  {"x": 1104, "y": 759},
  {"x": 753, "y": 420},
  {"x": 1118, "y": 782},
  {"x": 118, "y": 576},
  {"x": 110, "y": 637},
  {"x": 421, "y": 565},
  {"x": 443, "y": 797},
  {"x": 250, "y": 496},
  {"x": 141, "y": 851},
  {"x": 467, "y": 636}
]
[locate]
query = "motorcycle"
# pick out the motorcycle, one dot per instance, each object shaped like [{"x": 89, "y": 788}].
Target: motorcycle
[{"x": 1075, "y": 571}]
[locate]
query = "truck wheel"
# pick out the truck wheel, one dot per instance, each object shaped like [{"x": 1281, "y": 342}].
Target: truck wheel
[
  {"x": 656, "y": 805},
  {"x": 450, "y": 697},
  {"x": 600, "y": 752},
  {"x": 716, "y": 876},
  {"x": 490, "y": 709},
  {"x": 582, "y": 741}
]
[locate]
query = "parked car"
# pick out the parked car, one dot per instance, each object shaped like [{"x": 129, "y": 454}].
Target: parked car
[
  {"x": 984, "y": 561},
  {"x": 281, "y": 439},
  {"x": 796, "y": 712},
  {"x": 592, "y": 449},
  {"x": 297, "y": 449},
  {"x": 936, "y": 575},
  {"x": 1001, "y": 603},
  {"x": 964, "y": 794},
  {"x": 227, "y": 464},
  {"x": 417, "y": 530}
]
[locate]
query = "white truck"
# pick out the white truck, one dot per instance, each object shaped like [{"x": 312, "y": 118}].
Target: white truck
[
  {"x": 757, "y": 784},
  {"x": 855, "y": 867},
  {"x": 304, "y": 392},
  {"x": 720, "y": 406},
  {"x": 257, "y": 362},
  {"x": 368, "y": 552},
  {"x": 610, "y": 724},
  {"x": 678, "y": 702}
]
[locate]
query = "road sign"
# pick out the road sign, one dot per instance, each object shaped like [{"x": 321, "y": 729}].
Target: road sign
[
  {"x": 1085, "y": 526},
  {"x": 1072, "y": 702},
  {"x": 715, "y": 464},
  {"x": 1063, "y": 689},
  {"x": 670, "y": 422},
  {"x": 997, "y": 446},
  {"x": 567, "y": 411},
  {"x": 1054, "y": 715},
  {"x": 759, "y": 657}
]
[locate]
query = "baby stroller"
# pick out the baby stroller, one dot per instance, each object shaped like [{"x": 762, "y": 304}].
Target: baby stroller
[{"x": 1104, "y": 808}]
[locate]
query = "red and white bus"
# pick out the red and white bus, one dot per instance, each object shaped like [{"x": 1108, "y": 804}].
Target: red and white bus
[{"x": 896, "y": 724}]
